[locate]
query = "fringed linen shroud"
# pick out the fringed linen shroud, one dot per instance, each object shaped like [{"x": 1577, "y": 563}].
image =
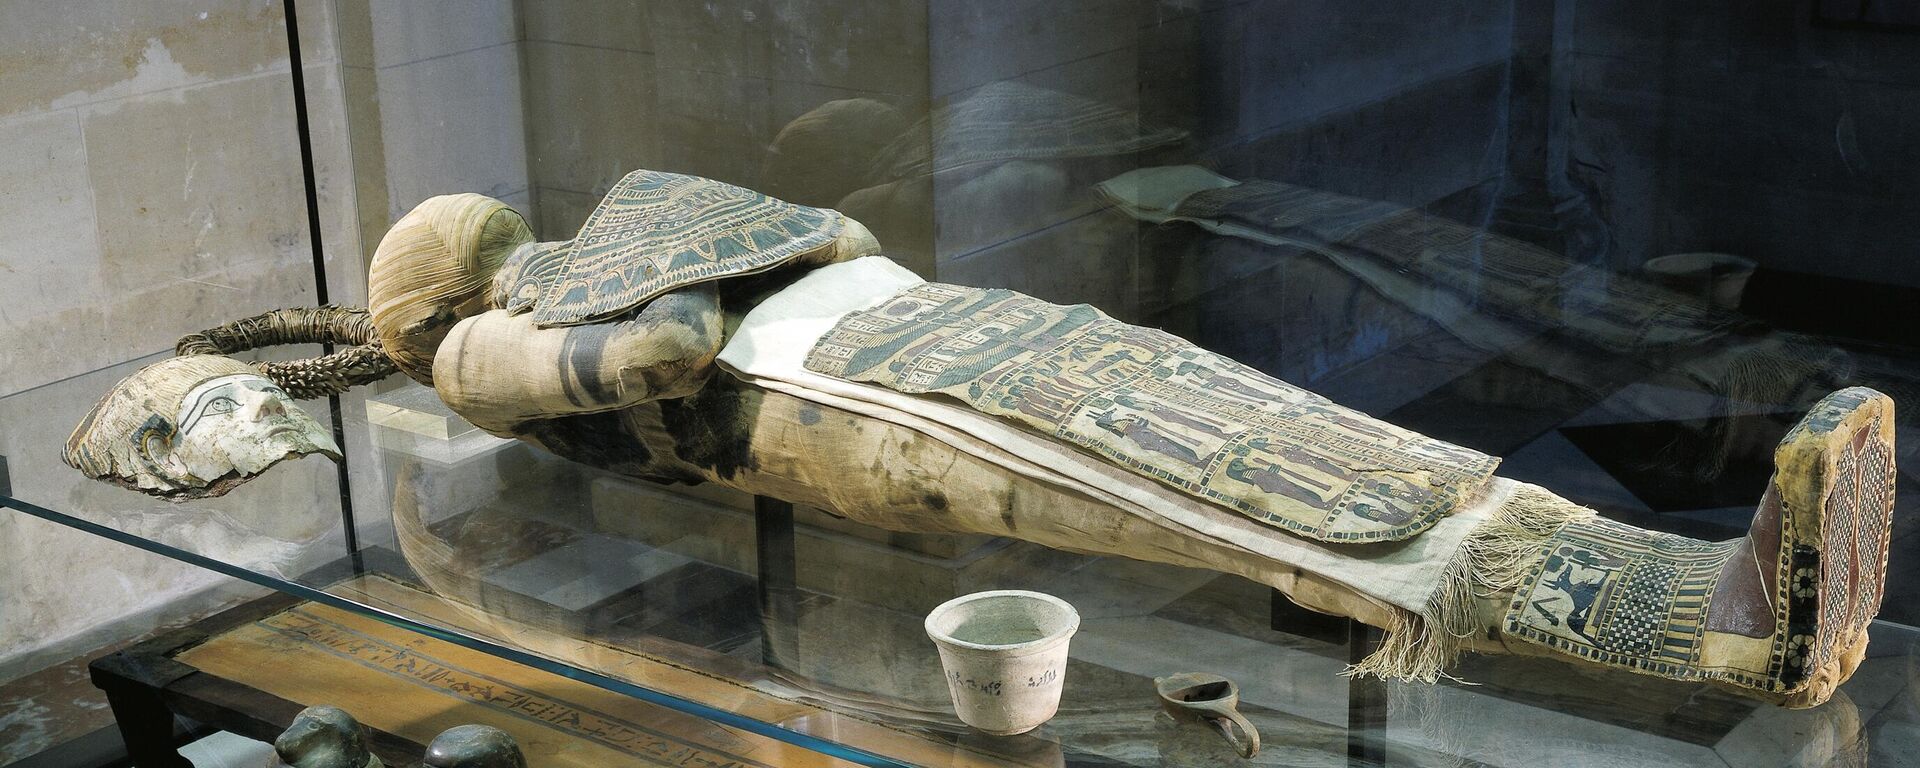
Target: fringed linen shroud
[
  {"x": 1493, "y": 560},
  {"x": 1426, "y": 586}
]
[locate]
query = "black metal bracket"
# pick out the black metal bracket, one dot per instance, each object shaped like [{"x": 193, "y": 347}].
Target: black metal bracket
[
  {"x": 1366, "y": 702},
  {"x": 776, "y": 578},
  {"x": 147, "y": 726},
  {"x": 304, "y": 132},
  {"x": 1366, "y": 697}
]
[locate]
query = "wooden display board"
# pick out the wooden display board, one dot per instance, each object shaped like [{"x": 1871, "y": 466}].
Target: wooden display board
[
  {"x": 414, "y": 687},
  {"x": 248, "y": 671}
]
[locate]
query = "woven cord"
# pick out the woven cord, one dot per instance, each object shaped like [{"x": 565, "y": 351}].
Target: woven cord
[{"x": 364, "y": 362}]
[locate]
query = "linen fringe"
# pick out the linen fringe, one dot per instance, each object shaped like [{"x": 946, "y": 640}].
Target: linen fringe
[{"x": 1494, "y": 558}]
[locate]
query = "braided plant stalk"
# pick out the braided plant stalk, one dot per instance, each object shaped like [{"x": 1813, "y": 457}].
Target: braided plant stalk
[{"x": 362, "y": 361}]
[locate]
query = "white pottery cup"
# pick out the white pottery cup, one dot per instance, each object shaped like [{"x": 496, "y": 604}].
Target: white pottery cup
[{"x": 1005, "y": 656}]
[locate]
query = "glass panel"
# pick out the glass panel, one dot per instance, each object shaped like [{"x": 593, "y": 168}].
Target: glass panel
[
  {"x": 655, "y": 591},
  {"x": 152, "y": 185},
  {"x": 1623, "y": 246}
]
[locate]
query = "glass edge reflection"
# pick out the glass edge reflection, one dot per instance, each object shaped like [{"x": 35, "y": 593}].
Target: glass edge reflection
[{"x": 703, "y": 711}]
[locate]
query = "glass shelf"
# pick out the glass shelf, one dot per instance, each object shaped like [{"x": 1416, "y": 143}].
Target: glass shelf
[{"x": 794, "y": 625}]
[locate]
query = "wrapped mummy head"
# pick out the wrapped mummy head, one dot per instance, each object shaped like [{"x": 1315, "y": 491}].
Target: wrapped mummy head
[
  {"x": 193, "y": 427},
  {"x": 432, "y": 270}
]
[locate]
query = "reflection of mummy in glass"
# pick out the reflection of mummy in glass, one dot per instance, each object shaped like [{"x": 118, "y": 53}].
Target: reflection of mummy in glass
[{"x": 192, "y": 427}]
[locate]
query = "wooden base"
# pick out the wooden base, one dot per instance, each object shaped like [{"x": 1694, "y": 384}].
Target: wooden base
[
  {"x": 415, "y": 687},
  {"x": 251, "y": 669}
]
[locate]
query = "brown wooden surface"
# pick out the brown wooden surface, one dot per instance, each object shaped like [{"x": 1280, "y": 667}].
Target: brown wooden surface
[
  {"x": 251, "y": 669},
  {"x": 690, "y": 673},
  {"x": 414, "y": 687}
]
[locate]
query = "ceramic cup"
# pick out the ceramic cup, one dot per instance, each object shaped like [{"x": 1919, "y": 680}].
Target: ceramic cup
[
  {"x": 1202, "y": 697},
  {"x": 1004, "y": 654}
]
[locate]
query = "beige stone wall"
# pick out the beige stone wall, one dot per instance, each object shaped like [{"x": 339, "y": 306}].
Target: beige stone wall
[
  {"x": 150, "y": 186},
  {"x": 151, "y": 183},
  {"x": 434, "y": 97},
  {"x": 593, "y": 101}
]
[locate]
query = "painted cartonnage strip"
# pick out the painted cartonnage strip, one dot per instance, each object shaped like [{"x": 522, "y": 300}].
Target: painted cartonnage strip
[
  {"x": 1160, "y": 407},
  {"x": 1627, "y": 597}
]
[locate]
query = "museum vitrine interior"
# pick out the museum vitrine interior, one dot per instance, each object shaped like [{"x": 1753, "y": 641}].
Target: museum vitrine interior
[{"x": 941, "y": 383}]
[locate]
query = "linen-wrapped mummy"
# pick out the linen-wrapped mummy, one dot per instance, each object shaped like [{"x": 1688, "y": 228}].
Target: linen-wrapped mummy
[{"x": 696, "y": 331}]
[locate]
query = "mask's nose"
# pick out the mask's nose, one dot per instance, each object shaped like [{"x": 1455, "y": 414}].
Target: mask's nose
[{"x": 262, "y": 405}]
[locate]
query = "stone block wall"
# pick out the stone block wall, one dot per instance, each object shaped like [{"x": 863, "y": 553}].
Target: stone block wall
[
  {"x": 434, "y": 95},
  {"x": 1037, "y": 226},
  {"x": 152, "y": 177},
  {"x": 1359, "y": 99},
  {"x": 151, "y": 186},
  {"x": 1365, "y": 100}
]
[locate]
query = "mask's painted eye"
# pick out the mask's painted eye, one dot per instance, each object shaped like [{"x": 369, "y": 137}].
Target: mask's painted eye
[{"x": 220, "y": 405}]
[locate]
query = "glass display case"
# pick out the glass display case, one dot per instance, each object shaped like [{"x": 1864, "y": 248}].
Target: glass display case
[
  {"x": 1623, "y": 246},
  {"x": 793, "y": 633}
]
